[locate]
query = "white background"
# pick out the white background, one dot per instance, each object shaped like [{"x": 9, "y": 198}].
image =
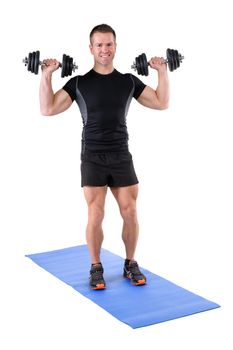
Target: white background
[{"x": 183, "y": 158}]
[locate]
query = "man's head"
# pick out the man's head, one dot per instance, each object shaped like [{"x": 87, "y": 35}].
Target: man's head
[
  {"x": 102, "y": 28},
  {"x": 103, "y": 44}
]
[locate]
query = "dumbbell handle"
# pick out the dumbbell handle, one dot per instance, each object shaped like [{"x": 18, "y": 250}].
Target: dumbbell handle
[{"x": 25, "y": 61}]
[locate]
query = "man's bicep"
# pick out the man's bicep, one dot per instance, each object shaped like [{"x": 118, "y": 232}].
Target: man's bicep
[
  {"x": 148, "y": 98},
  {"x": 62, "y": 101}
]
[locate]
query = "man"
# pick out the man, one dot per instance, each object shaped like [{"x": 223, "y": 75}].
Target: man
[{"x": 103, "y": 96}]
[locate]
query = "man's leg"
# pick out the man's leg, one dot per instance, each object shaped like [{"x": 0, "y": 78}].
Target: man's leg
[
  {"x": 126, "y": 198},
  {"x": 95, "y": 198}
]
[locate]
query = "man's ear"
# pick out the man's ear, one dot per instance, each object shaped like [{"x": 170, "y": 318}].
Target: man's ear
[{"x": 91, "y": 48}]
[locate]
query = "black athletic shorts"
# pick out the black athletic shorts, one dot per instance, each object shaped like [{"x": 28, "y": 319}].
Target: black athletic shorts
[{"x": 107, "y": 169}]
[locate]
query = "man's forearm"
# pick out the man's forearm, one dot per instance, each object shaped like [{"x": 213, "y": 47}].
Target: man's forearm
[
  {"x": 163, "y": 91},
  {"x": 46, "y": 93}
]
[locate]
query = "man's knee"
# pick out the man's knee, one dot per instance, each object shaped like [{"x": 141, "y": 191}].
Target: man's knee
[
  {"x": 129, "y": 212},
  {"x": 95, "y": 214}
]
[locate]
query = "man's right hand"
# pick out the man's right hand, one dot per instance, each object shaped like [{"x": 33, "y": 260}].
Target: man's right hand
[{"x": 50, "y": 65}]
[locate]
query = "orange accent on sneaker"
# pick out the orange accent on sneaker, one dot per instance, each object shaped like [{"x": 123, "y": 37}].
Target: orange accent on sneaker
[
  {"x": 99, "y": 286},
  {"x": 140, "y": 282}
]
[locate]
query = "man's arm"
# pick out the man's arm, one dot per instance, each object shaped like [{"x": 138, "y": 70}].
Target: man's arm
[
  {"x": 50, "y": 103},
  {"x": 159, "y": 98}
]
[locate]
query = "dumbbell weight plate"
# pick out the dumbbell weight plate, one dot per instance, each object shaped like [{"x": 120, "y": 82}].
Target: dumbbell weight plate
[
  {"x": 29, "y": 62},
  {"x": 138, "y": 66},
  {"x": 71, "y": 65},
  {"x": 63, "y": 67},
  {"x": 32, "y": 62},
  {"x": 170, "y": 60},
  {"x": 173, "y": 57},
  {"x": 144, "y": 64},
  {"x": 177, "y": 58},
  {"x": 140, "y": 63},
  {"x": 36, "y": 62},
  {"x": 67, "y": 65}
]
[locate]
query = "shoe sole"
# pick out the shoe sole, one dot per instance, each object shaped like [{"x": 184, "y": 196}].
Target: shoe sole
[
  {"x": 99, "y": 286},
  {"x": 138, "y": 283}
]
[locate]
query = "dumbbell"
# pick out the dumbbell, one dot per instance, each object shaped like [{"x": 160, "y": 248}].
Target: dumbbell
[
  {"x": 33, "y": 62},
  {"x": 173, "y": 59}
]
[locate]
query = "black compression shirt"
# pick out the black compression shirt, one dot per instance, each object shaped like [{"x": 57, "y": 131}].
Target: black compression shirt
[{"x": 104, "y": 101}]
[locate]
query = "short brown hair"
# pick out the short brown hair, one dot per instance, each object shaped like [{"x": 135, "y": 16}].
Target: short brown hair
[{"x": 102, "y": 28}]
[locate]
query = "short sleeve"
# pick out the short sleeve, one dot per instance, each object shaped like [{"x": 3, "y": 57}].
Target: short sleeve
[
  {"x": 70, "y": 87},
  {"x": 139, "y": 86}
]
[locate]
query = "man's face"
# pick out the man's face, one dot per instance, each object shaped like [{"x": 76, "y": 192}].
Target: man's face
[{"x": 103, "y": 48}]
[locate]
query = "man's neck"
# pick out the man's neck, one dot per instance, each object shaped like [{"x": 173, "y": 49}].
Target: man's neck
[{"x": 103, "y": 69}]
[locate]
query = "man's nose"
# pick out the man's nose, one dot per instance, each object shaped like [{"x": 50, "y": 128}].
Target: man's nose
[{"x": 105, "y": 49}]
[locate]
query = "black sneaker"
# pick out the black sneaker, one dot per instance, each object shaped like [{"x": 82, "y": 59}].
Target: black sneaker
[
  {"x": 131, "y": 271},
  {"x": 96, "y": 277}
]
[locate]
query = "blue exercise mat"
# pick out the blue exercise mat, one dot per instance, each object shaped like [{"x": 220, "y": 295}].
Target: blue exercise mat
[{"x": 157, "y": 301}]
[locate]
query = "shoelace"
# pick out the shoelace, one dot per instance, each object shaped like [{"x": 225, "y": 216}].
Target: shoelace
[{"x": 133, "y": 267}]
